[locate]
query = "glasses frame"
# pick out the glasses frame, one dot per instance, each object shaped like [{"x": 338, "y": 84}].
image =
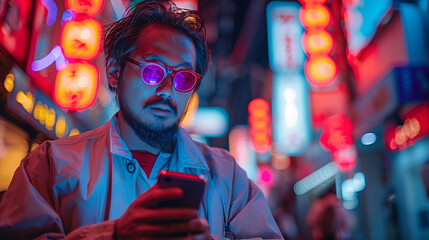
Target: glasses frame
[{"x": 167, "y": 70}]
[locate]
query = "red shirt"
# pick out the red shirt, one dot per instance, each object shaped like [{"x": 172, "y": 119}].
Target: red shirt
[{"x": 146, "y": 160}]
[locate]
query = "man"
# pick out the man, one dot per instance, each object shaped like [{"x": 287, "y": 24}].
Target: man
[{"x": 91, "y": 186}]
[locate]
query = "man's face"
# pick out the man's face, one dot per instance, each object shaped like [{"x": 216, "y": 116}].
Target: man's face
[{"x": 156, "y": 108}]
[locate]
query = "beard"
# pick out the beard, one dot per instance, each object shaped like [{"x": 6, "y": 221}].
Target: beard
[{"x": 158, "y": 137}]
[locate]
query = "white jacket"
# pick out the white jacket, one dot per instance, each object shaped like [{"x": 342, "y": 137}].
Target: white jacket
[{"x": 75, "y": 187}]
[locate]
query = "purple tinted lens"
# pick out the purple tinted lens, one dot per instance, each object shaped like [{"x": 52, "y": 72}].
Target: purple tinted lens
[
  {"x": 184, "y": 81},
  {"x": 153, "y": 74}
]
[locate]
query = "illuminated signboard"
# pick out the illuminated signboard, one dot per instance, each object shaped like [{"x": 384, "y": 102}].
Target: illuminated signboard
[
  {"x": 291, "y": 115},
  {"x": 284, "y": 36},
  {"x": 36, "y": 108},
  {"x": 290, "y": 111}
]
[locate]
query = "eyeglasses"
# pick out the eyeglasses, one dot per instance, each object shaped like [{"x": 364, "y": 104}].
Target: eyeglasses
[{"x": 152, "y": 74}]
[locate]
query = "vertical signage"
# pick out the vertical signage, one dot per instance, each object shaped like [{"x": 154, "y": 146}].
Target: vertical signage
[
  {"x": 291, "y": 115},
  {"x": 284, "y": 36},
  {"x": 291, "y": 118}
]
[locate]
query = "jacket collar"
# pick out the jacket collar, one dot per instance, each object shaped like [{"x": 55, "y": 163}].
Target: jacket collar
[
  {"x": 117, "y": 144},
  {"x": 186, "y": 153}
]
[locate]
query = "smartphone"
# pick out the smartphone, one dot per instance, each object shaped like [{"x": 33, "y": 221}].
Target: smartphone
[{"x": 192, "y": 186}]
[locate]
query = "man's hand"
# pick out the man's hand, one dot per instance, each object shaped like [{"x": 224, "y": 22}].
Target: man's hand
[{"x": 144, "y": 220}]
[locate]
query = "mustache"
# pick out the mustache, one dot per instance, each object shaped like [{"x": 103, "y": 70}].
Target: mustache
[{"x": 162, "y": 101}]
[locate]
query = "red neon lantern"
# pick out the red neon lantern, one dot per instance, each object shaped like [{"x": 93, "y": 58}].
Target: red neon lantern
[
  {"x": 259, "y": 121},
  {"x": 317, "y": 42},
  {"x": 76, "y": 87},
  {"x": 320, "y": 71},
  {"x": 345, "y": 158},
  {"x": 303, "y": 2},
  {"x": 335, "y": 140},
  {"x": 81, "y": 38},
  {"x": 90, "y": 7},
  {"x": 338, "y": 122},
  {"x": 315, "y": 16},
  {"x": 337, "y": 130}
]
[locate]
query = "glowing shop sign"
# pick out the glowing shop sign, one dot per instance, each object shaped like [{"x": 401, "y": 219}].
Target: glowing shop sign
[
  {"x": 90, "y": 7},
  {"x": 75, "y": 88},
  {"x": 291, "y": 117},
  {"x": 35, "y": 108},
  {"x": 81, "y": 38},
  {"x": 284, "y": 36},
  {"x": 320, "y": 69}
]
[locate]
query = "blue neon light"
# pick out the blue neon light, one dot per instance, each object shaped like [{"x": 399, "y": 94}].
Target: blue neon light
[
  {"x": 68, "y": 15},
  {"x": 55, "y": 55},
  {"x": 52, "y": 8}
]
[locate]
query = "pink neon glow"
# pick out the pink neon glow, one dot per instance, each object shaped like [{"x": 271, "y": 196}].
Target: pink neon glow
[{"x": 266, "y": 176}]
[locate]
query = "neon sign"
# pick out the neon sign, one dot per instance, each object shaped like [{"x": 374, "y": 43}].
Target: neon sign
[
  {"x": 37, "y": 109},
  {"x": 320, "y": 69},
  {"x": 291, "y": 116},
  {"x": 90, "y": 7},
  {"x": 81, "y": 38},
  {"x": 284, "y": 36},
  {"x": 75, "y": 87},
  {"x": 55, "y": 55}
]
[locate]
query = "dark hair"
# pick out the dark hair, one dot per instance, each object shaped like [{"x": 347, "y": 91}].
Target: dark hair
[{"x": 121, "y": 36}]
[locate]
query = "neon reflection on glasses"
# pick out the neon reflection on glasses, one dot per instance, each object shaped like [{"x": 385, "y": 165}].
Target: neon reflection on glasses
[{"x": 153, "y": 74}]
